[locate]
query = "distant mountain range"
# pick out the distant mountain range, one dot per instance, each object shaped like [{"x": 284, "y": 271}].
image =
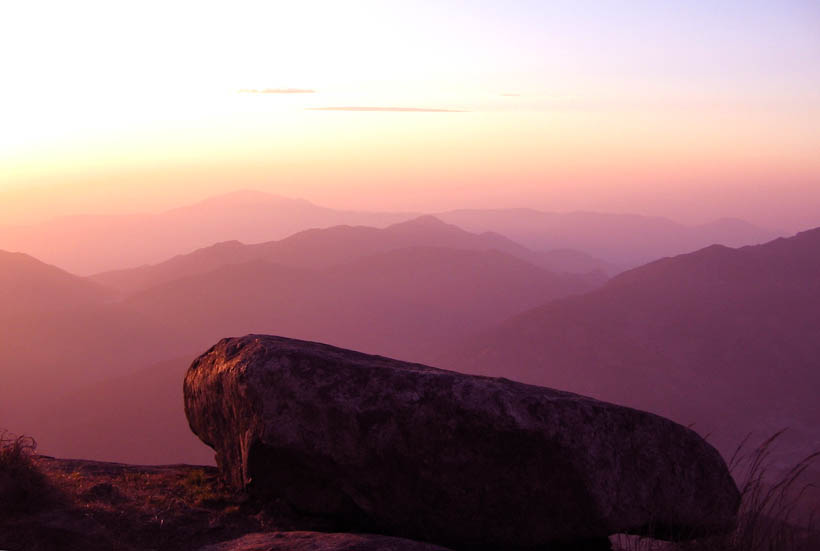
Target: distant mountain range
[
  {"x": 403, "y": 303},
  {"x": 91, "y": 243},
  {"x": 322, "y": 248},
  {"x": 95, "y": 243},
  {"x": 626, "y": 240},
  {"x": 403, "y": 291},
  {"x": 725, "y": 339}
]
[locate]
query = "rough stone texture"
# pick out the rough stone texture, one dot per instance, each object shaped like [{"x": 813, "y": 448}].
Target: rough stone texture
[
  {"x": 433, "y": 455},
  {"x": 318, "y": 541}
]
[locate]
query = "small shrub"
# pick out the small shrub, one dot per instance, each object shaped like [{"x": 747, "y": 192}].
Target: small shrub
[
  {"x": 23, "y": 487},
  {"x": 195, "y": 479}
]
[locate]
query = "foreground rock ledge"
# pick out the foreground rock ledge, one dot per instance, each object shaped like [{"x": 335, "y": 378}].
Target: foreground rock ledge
[
  {"x": 409, "y": 450},
  {"x": 318, "y": 541}
]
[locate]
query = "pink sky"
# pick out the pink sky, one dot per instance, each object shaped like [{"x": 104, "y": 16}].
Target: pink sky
[{"x": 677, "y": 110}]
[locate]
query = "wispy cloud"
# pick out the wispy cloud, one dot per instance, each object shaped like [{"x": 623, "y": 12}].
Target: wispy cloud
[
  {"x": 277, "y": 91},
  {"x": 387, "y": 109}
]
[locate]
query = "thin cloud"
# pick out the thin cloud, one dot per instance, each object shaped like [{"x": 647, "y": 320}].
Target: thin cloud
[
  {"x": 277, "y": 91},
  {"x": 387, "y": 109}
]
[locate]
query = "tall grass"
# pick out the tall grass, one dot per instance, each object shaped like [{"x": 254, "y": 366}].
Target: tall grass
[
  {"x": 769, "y": 515},
  {"x": 768, "y": 519}
]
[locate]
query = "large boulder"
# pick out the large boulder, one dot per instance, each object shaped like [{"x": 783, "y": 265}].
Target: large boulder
[{"x": 413, "y": 451}]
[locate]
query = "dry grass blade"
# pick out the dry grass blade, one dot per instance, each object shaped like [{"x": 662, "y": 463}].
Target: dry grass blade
[{"x": 769, "y": 503}]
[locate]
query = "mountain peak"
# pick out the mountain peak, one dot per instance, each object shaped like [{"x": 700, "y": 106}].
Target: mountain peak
[
  {"x": 13, "y": 260},
  {"x": 427, "y": 221}
]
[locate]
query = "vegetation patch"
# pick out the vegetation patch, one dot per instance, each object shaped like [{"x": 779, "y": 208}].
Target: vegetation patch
[
  {"x": 23, "y": 487},
  {"x": 770, "y": 516}
]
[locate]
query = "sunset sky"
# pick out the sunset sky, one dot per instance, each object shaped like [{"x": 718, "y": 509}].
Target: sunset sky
[{"x": 692, "y": 110}]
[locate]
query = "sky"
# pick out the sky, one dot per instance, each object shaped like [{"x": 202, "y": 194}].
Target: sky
[{"x": 692, "y": 110}]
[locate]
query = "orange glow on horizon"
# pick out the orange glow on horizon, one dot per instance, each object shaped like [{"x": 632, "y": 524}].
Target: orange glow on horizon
[{"x": 107, "y": 120}]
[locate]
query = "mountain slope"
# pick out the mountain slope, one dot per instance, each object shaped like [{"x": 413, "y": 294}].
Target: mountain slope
[
  {"x": 323, "y": 248},
  {"x": 61, "y": 331},
  {"x": 725, "y": 338},
  {"x": 406, "y": 303},
  {"x": 28, "y": 285},
  {"x": 136, "y": 417},
  {"x": 88, "y": 244},
  {"x": 624, "y": 239},
  {"x": 399, "y": 303},
  {"x": 66, "y": 334}
]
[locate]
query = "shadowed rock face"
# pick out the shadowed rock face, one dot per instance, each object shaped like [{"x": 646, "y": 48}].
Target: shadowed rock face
[{"x": 413, "y": 451}]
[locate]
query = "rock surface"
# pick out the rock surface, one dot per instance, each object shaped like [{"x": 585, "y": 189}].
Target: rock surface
[
  {"x": 319, "y": 541},
  {"x": 433, "y": 455}
]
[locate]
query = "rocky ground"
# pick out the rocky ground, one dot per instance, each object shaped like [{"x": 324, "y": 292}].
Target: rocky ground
[
  {"x": 106, "y": 506},
  {"x": 97, "y": 506}
]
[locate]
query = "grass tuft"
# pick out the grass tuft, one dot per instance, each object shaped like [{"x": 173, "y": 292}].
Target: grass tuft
[
  {"x": 23, "y": 487},
  {"x": 200, "y": 488},
  {"x": 768, "y": 519}
]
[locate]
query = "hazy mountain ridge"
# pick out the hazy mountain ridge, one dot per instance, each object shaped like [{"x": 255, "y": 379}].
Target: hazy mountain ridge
[
  {"x": 724, "y": 338},
  {"x": 35, "y": 285},
  {"x": 675, "y": 336},
  {"x": 397, "y": 302},
  {"x": 92, "y": 243},
  {"x": 87, "y": 244},
  {"x": 358, "y": 287},
  {"x": 323, "y": 248},
  {"x": 624, "y": 239}
]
